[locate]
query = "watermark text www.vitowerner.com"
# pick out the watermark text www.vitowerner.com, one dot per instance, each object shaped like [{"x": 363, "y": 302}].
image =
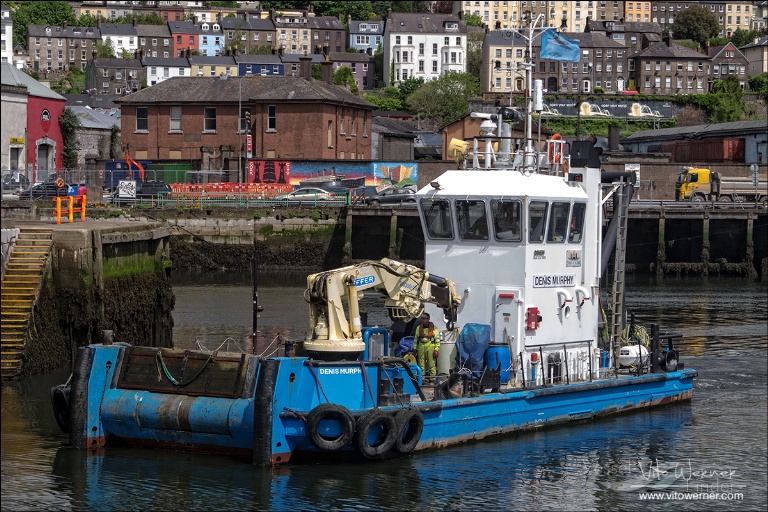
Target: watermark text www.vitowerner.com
[
  {"x": 694, "y": 496},
  {"x": 658, "y": 480}
]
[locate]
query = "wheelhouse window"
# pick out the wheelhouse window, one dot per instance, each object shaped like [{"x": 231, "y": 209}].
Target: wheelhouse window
[
  {"x": 506, "y": 220},
  {"x": 142, "y": 119},
  {"x": 537, "y": 221},
  {"x": 437, "y": 218},
  {"x": 576, "y": 226},
  {"x": 471, "y": 220},
  {"x": 558, "y": 222}
]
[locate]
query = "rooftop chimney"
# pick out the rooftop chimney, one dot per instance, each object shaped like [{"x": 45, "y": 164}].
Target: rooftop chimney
[
  {"x": 305, "y": 67},
  {"x": 134, "y": 22},
  {"x": 65, "y": 25},
  {"x": 461, "y": 15},
  {"x": 326, "y": 71}
]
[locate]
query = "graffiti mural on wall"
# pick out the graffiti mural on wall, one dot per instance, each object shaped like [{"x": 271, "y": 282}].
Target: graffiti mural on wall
[
  {"x": 348, "y": 173},
  {"x": 269, "y": 171}
]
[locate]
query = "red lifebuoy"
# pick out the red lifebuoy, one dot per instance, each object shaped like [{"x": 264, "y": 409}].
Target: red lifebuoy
[{"x": 554, "y": 153}]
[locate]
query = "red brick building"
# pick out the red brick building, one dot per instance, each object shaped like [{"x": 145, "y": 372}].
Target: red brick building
[{"x": 195, "y": 120}]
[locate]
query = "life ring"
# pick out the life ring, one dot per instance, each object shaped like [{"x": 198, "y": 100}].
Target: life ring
[
  {"x": 383, "y": 426},
  {"x": 59, "y": 182},
  {"x": 330, "y": 412},
  {"x": 409, "y": 424},
  {"x": 554, "y": 154},
  {"x": 60, "y": 403}
]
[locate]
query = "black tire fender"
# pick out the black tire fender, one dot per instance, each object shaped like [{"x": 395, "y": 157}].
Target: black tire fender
[
  {"x": 371, "y": 420},
  {"x": 409, "y": 424},
  {"x": 60, "y": 403},
  {"x": 330, "y": 412}
]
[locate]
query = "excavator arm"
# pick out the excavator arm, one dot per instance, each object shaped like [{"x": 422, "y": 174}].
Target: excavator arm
[
  {"x": 129, "y": 161},
  {"x": 336, "y": 333}
]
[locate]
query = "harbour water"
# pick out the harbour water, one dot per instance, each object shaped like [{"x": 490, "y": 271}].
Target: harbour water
[{"x": 707, "y": 455}]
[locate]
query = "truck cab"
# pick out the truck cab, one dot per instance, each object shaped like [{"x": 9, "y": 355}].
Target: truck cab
[{"x": 692, "y": 182}]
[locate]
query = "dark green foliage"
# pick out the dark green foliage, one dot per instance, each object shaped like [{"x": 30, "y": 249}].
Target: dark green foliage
[
  {"x": 343, "y": 76},
  {"x": 357, "y": 10},
  {"x": 475, "y": 52},
  {"x": 741, "y": 37},
  {"x": 727, "y": 104},
  {"x": 445, "y": 99},
  {"x": 105, "y": 50},
  {"x": 759, "y": 84},
  {"x": 473, "y": 20},
  {"x": 69, "y": 124},
  {"x": 696, "y": 23},
  {"x": 114, "y": 143},
  {"x": 38, "y": 13},
  {"x": 409, "y": 86}
]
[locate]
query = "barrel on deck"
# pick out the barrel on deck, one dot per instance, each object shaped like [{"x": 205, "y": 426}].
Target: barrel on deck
[{"x": 499, "y": 355}]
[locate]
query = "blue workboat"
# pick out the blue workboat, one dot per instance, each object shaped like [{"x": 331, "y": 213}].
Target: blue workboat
[
  {"x": 515, "y": 257},
  {"x": 513, "y": 266}
]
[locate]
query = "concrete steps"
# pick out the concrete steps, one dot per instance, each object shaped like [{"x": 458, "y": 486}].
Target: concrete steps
[{"x": 21, "y": 284}]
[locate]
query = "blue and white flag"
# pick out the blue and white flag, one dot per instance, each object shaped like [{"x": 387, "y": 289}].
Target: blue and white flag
[{"x": 556, "y": 47}]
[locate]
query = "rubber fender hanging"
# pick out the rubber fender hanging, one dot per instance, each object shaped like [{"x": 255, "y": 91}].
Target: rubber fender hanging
[
  {"x": 409, "y": 424},
  {"x": 60, "y": 403},
  {"x": 330, "y": 412},
  {"x": 380, "y": 422}
]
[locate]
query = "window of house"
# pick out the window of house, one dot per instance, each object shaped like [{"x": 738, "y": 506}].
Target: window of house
[
  {"x": 209, "y": 118},
  {"x": 271, "y": 118},
  {"x": 175, "y": 117},
  {"x": 434, "y": 49},
  {"x": 142, "y": 118},
  {"x": 330, "y": 134}
]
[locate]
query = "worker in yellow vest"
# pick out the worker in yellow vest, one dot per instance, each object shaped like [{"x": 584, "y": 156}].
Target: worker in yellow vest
[{"x": 427, "y": 344}]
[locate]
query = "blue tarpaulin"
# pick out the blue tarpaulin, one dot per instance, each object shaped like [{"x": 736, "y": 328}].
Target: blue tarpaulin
[
  {"x": 471, "y": 346},
  {"x": 556, "y": 47},
  {"x": 405, "y": 346}
]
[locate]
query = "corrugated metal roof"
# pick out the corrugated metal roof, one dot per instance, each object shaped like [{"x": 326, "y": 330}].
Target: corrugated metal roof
[
  {"x": 701, "y": 131},
  {"x": 97, "y": 119}
]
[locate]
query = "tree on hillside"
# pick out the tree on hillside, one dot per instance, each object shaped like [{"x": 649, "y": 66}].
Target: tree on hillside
[
  {"x": 105, "y": 50},
  {"x": 759, "y": 84},
  {"x": 442, "y": 7},
  {"x": 38, "y": 13},
  {"x": 288, "y": 6},
  {"x": 343, "y": 76},
  {"x": 473, "y": 20},
  {"x": 696, "y": 23},
  {"x": 409, "y": 86},
  {"x": 69, "y": 124},
  {"x": 445, "y": 99},
  {"x": 358, "y": 10},
  {"x": 474, "y": 52},
  {"x": 740, "y": 37},
  {"x": 726, "y": 105}
]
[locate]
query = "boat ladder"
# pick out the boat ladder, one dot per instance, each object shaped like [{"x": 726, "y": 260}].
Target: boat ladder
[{"x": 619, "y": 268}]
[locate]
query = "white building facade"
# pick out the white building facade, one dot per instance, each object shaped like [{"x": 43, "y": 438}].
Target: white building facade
[{"x": 423, "y": 45}]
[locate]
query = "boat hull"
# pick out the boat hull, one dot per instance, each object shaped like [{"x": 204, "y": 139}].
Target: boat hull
[{"x": 267, "y": 416}]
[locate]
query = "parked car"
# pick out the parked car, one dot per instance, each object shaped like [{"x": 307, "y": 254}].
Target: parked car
[
  {"x": 308, "y": 196},
  {"x": 393, "y": 195},
  {"x": 45, "y": 190},
  {"x": 144, "y": 190}
]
